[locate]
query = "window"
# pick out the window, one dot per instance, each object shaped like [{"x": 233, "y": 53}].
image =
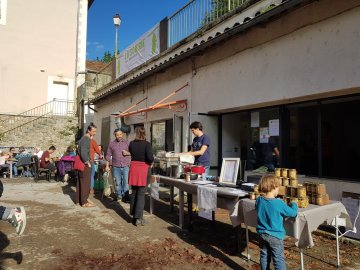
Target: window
[
  {"x": 264, "y": 138},
  {"x": 302, "y": 148},
  {"x": 322, "y": 138},
  {"x": 3, "y": 8},
  {"x": 162, "y": 136},
  {"x": 340, "y": 148}
]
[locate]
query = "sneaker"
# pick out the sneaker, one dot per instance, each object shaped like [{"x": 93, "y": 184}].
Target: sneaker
[
  {"x": 17, "y": 218},
  {"x": 143, "y": 222},
  {"x": 139, "y": 222},
  {"x": 66, "y": 177}
]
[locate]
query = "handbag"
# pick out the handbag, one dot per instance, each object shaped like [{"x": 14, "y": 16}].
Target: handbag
[{"x": 78, "y": 164}]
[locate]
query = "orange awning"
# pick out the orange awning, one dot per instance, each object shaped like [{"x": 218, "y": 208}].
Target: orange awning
[{"x": 159, "y": 105}]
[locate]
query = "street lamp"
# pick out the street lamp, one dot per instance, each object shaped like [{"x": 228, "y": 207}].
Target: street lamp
[{"x": 117, "y": 21}]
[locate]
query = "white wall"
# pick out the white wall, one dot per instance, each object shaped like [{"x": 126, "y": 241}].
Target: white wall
[
  {"x": 319, "y": 60},
  {"x": 38, "y": 35}
]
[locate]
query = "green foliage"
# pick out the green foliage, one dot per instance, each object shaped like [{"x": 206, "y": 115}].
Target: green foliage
[
  {"x": 107, "y": 57},
  {"x": 220, "y": 8},
  {"x": 70, "y": 130}
]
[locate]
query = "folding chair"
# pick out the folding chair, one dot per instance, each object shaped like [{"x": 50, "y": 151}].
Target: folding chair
[
  {"x": 37, "y": 171},
  {"x": 5, "y": 170},
  {"x": 25, "y": 162}
]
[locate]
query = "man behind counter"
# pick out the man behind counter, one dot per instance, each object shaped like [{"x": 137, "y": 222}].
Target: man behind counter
[{"x": 200, "y": 148}]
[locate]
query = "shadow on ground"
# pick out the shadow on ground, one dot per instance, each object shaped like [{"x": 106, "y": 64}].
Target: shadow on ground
[{"x": 16, "y": 256}]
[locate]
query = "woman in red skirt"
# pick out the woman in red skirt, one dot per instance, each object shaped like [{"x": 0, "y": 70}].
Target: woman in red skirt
[{"x": 141, "y": 159}]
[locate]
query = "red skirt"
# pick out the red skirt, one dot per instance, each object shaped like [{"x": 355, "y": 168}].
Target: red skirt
[{"x": 138, "y": 173}]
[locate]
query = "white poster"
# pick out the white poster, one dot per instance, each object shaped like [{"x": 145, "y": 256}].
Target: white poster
[
  {"x": 274, "y": 127},
  {"x": 264, "y": 135},
  {"x": 143, "y": 49},
  {"x": 255, "y": 119}
]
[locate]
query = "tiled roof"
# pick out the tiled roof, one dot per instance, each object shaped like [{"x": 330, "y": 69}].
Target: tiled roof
[{"x": 95, "y": 65}]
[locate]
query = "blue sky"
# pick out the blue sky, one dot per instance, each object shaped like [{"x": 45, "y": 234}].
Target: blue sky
[{"x": 137, "y": 17}]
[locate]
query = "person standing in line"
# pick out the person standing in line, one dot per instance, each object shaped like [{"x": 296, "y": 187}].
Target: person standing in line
[
  {"x": 94, "y": 149},
  {"x": 120, "y": 164},
  {"x": 200, "y": 148},
  {"x": 141, "y": 159},
  {"x": 270, "y": 217},
  {"x": 83, "y": 181}
]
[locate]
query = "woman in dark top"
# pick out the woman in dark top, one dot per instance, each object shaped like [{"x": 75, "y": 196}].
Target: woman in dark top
[{"x": 141, "y": 159}]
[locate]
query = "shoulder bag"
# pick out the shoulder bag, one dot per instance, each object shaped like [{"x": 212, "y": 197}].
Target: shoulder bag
[{"x": 78, "y": 164}]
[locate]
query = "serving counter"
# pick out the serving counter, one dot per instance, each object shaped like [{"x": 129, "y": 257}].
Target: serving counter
[
  {"x": 227, "y": 197},
  {"x": 307, "y": 221}
]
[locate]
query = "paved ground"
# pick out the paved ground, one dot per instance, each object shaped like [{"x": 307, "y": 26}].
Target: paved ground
[{"x": 60, "y": 235}]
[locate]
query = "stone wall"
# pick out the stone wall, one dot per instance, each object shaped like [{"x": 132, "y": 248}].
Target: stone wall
[{"x": 55, "y": 130}]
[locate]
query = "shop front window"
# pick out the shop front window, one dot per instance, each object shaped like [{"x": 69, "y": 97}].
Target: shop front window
[
  {"x": 340, "y": 148},
  {"x": 264, "y": 139},
  {"x": 323, "y": 138},
  {"x": 303, "y": 139},
  {"x": 162, "y": 136}
]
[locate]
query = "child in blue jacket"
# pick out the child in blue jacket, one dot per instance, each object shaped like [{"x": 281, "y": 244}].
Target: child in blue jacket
[{"x": 270, "y": 217}]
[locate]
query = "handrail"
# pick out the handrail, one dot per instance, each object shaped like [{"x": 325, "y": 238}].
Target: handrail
[
  {"x": 56, "y": 107},
  {"x": 22, "y": 125}
]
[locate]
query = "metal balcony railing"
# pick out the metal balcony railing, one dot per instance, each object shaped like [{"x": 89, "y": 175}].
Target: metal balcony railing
[{"x": 197, "y": 14}]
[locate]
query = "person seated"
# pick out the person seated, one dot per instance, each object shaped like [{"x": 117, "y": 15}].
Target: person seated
[
  {"x": 38, "y": 152},
  {"x": 46, "y": 162},
  {"x": 12, "y": 156},
  {"x": 4, "y": 168},
  {"x": 24, "y": 154},
  {"x": 65, "y": 165},
  {"x": 70, "y": 151}
]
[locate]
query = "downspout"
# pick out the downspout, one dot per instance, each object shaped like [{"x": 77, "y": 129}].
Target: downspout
[{"x": 78, "y": 102}]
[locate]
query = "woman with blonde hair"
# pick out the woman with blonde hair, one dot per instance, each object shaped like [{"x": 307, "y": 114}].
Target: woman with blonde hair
[{"x": 141, "y": 160}]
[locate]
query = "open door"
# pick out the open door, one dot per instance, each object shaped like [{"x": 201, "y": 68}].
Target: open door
[
  {"x": 211, "y": 128},
  {"x": 105, "y": 132},
  {"x": 177, "y": 133}
]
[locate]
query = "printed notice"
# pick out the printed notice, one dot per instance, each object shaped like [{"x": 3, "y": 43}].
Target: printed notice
[
  {"x": 264, "y": 135},
  {"x": 274, "y": 127},
  {"x": 255, "y": 119}
]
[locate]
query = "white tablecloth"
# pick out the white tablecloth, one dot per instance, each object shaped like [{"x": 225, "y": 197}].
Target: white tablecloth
[{"x": 307, "y": 221}]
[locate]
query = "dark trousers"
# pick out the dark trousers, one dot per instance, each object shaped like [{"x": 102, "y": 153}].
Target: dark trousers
[
  {"x": 2, "y": 210},
  {"x": 83, "y": 186},
  {"x": 137, "y": 201}
]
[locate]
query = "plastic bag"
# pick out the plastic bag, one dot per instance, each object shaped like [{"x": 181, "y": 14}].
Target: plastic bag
[
  {"x": 107, "y": 186},
  {"x": 155, "y": 190}
]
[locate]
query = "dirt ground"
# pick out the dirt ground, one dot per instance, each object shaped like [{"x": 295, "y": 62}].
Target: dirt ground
[{"x": 61, "y": 235}]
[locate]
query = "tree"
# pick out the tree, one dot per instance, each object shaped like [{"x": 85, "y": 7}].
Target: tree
[{"x": 107, "y": 57}]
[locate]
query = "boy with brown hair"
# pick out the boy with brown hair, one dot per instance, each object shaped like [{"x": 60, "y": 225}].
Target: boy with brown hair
[{"x": 270, "y": 217}]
